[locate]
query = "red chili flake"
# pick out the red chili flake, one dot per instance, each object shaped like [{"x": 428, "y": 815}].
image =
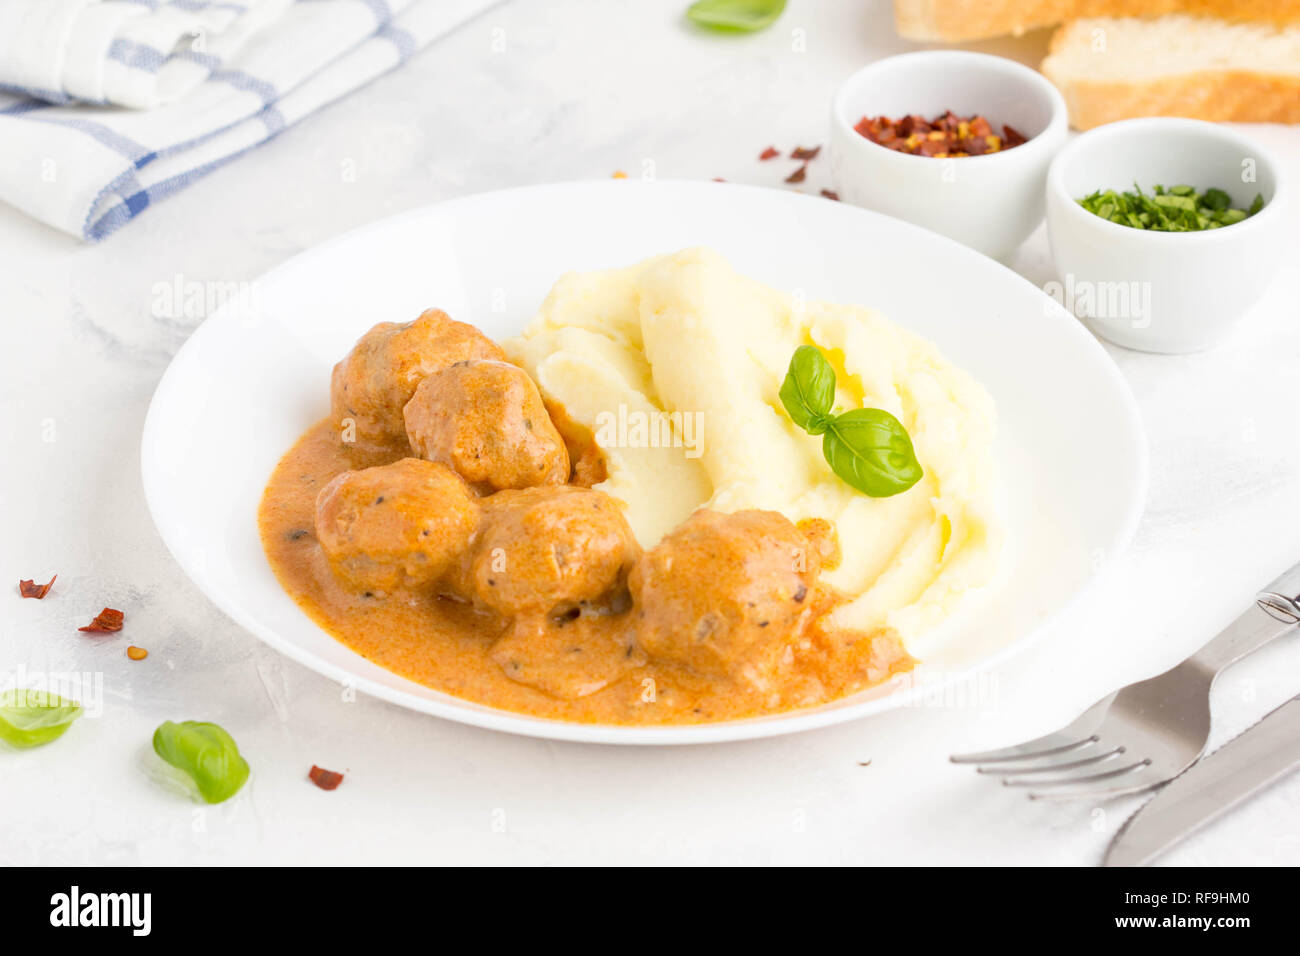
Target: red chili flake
[
  {"x": 1012, "y": 137},
  {"x": 913, "y": 124},
  {"x": 325, "y": 779},
  {"x": 770, "y": 153},
  {"x": 830, "y": 194},
  {"x": 105, "y": 621},
  {"x": 30, "y": 589},
  {"x": 799, "y": 175},
  {"x": 805, "y": 154},
  {"x": 718, "y": 179}
]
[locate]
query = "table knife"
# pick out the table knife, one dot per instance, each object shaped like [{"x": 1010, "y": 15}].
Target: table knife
[{"x": 1210, "y": 788}]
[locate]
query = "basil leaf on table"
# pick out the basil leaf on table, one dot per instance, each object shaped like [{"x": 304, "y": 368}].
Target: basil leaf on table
[
  {"x": 867, "y": 448},
  {"x": 870, "y": 449},
  {"x": 206, "y": 754},
  {"x": 31, "y": 718},
  {"x": 741, "y": 16},
  {"x": 808, "y": 391}
]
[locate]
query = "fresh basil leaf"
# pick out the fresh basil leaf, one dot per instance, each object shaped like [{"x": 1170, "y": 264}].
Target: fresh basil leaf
[
  {"x": 870, "y": 449},
  {"x": 31, "y": 718},
  {"x": 206, "y": 754},
  {"x": 808, "y": 392},
  {"x": 740, "y": 16}
]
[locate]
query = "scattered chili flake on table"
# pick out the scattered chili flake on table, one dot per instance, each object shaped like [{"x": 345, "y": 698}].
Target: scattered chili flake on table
[
  {"x": 619, "y": 174},
  {"x": 830, "y": 194},
  {"x": 805, "y": 154},
  {"x": 325, "y": 779},
  {"x": 799, "y": 175},
  {"x": 770, "y": 153},
  {"x": 944, "y": 136},
  {"x": 30, "y": 589},
  {"x": 105, "y": 621},
  {"x": 136, "y": 653}
]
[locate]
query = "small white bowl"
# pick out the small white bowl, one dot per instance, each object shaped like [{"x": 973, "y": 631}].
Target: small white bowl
[
  {"x": 1163, "y": 291},
  {"x": 991, "y": 202}
]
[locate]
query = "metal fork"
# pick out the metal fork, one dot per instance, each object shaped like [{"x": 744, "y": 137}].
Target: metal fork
[{"x": 1146, "y": 733}]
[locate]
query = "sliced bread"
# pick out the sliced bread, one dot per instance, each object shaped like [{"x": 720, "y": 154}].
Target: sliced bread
[
  {"x": 957, "y": 20},
  {"x": 1112, "y": 69}
]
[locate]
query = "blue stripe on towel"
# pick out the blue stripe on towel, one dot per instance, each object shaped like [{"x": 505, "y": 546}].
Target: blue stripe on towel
[
  {"x": 401, "y": 39},
  {"x": 249, "y": 83},
  {"x": 119, "y": 215},
  {"x": 23, "y": 106},
  {"x": 202, "y": 59},
  {"x": 239, "y": 79},
  {"x": 49, "y": 96},
  {"x": 382, "y": 11},
  {"x": 137, "y": 56}
]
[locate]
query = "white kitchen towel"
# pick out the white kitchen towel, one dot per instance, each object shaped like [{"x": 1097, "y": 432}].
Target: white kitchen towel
[
  {"x": 90, "y": 169},
  {"x": 140, "y": 53}
]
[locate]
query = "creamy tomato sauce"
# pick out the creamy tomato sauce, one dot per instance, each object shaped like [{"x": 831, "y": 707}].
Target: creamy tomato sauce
[{"x": 584, "y": 667}]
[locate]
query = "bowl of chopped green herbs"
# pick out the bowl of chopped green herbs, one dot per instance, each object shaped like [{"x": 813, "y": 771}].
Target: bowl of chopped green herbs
[{"x": 1165, "y": 232}]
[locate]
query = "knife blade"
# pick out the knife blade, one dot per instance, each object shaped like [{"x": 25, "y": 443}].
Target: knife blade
[{"x": 1236, "y": 771}]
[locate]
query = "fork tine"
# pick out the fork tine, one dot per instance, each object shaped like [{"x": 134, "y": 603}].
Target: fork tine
[
  {"x": 1078, "y": 733},
  {"x": 1089, "y": 791},
  {"x": 1076, "y": 758},
  {"x": 1058, "y": 743},
  {"x": 1074, "y": 779}
]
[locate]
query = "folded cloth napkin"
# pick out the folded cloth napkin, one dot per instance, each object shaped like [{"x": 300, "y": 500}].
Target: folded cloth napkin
[
  {"x": 139, "y": 53},
  {"x": 218, "y": 77}
]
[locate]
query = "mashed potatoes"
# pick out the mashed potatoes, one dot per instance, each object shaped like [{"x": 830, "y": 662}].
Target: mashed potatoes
[{"x": 675, "y": 365}]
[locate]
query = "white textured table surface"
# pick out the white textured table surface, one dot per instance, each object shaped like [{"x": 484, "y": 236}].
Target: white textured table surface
[{"x": 528, "y": 93}]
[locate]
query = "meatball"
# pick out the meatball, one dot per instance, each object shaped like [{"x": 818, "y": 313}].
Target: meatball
[
  {"x": 395, "y": 526},
  {"x": 486, "y": 420},
  {"x": 548, "y": 549},
  {"x": 725, "y": 596},
  {"x": 377, "y": 378}
]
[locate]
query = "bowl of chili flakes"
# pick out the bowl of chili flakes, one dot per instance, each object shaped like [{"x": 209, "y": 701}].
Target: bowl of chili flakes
[{"x": 954, "y": 141}]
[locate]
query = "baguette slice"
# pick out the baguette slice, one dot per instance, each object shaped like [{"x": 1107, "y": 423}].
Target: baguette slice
[
  {"x": 953, "y": 21},
  {"x": 1198, "y": 67}
]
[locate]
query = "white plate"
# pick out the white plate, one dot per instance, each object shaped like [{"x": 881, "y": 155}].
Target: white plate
[{"x": 252, "y": 379}]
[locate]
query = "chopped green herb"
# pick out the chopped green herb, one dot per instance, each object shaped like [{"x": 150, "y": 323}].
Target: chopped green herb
[
  {"x": 1216, "y": 199},
  {"x": 1169, "y": 209},
  {"x": 30, "y": 718}
]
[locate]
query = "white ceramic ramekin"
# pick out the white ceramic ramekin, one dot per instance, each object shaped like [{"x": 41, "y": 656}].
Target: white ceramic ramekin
[
  {"x": 1163, "y": 291},
  {"x": 991, "y": 202}
]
